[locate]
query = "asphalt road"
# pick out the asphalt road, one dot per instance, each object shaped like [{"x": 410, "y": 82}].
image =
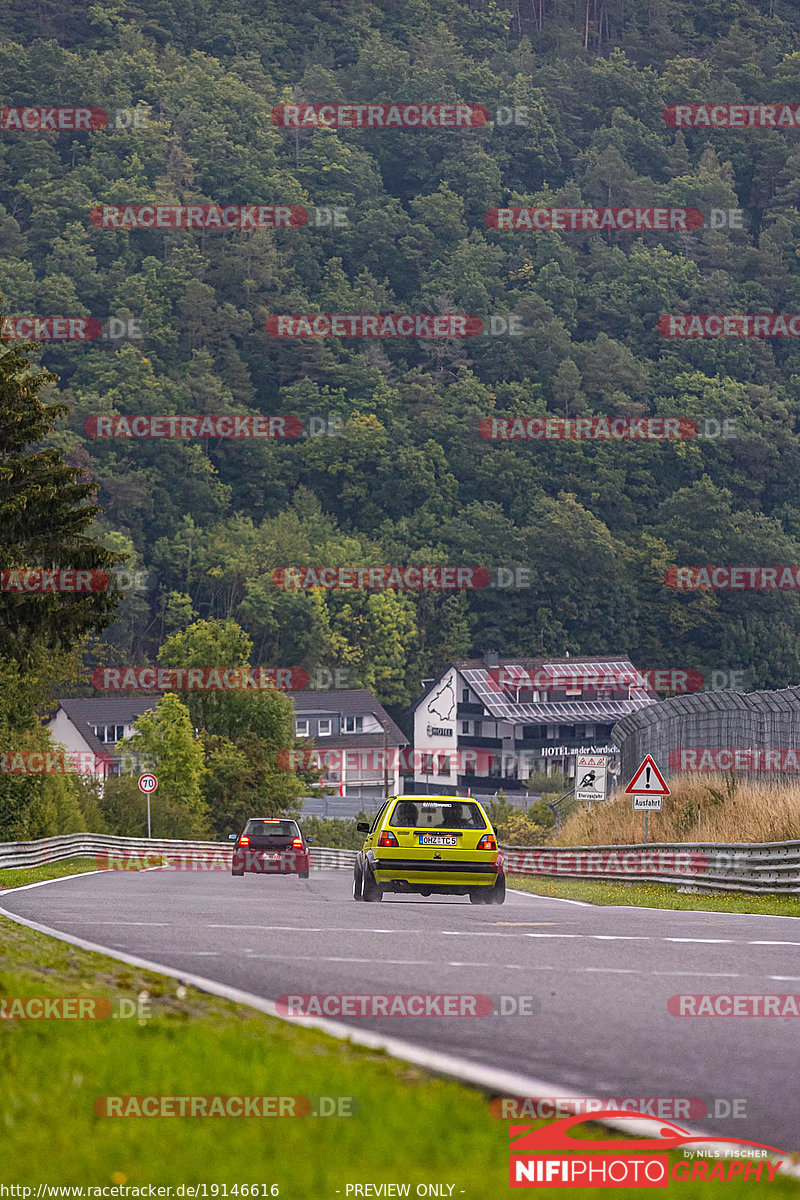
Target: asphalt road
[{"x": 601, "y": 977}]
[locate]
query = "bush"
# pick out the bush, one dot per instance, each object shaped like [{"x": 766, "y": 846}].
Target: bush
[
  {"x": 124, "y": 807},
  {"x": 541, "y": 782},
  {"x": 334, "y": 832},
  {"x": 542, "y": 813}
]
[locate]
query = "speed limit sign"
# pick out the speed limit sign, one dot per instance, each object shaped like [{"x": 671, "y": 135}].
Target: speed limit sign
[{"x": 147, "y": 783}]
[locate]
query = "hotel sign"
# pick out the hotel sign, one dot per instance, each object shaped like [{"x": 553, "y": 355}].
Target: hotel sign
[{"x": 550, "y": 751}]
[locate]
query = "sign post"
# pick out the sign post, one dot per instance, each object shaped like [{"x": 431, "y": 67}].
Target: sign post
[
  {"x": 590, "y": 777},
  {"x": 647, "y": 788},
  {"x": 147, "y": 784}
]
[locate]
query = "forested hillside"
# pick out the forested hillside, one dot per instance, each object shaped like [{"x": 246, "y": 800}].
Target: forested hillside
[{"x": 408, "y": 478}]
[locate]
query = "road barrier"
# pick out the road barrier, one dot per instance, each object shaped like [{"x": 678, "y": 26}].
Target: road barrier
[
  {"x": 92, "y": 845},
  {"x": 764, "y": 867},
  {"x": 740, "y": 867}
]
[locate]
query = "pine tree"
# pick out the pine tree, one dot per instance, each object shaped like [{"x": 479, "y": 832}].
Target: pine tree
[{"x": 45, "y": 517}]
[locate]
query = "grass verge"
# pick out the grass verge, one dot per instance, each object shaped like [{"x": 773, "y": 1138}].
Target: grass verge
[
  {"x": 656, "y": 895},
  {"x": 409, "y": 1128}
]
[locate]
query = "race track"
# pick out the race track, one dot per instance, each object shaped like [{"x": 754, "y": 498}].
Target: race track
[{"x": 601, "y": 976}]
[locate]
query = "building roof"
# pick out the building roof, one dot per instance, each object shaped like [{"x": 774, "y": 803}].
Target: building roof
[
  {"x": 351, "y": 702},
  {"x": 501, "y": 705},
  {"x": 105, "y": 710},
  {"x": 354, "y": 702}
]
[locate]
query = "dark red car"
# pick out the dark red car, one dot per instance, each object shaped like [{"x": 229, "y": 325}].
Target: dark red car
[{"x": 271, "y": 846}]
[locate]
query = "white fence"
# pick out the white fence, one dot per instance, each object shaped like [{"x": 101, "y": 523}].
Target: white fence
[{"x": 740, "y": 867}]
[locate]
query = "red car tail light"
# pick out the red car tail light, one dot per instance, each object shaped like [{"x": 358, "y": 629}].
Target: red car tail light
[
  {"x": 487, "y": 842},
  {"x": 244, "y": 840},
  {"x": 297, "y": 843},
  {"x": 387, "y": 839}
]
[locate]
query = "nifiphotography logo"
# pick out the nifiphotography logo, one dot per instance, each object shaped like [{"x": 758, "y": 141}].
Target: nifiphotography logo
[{"x": 549, "y": 1158}]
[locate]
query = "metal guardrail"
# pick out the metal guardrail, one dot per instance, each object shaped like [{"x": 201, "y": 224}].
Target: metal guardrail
[
  {"x": 740, "y": 867},
  {"x": 118, "y": 850},
  {"x": 764, "y": 867}
]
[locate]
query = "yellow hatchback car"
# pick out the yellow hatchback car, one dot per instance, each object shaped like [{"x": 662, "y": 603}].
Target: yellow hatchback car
[{"x": 430, "y": 844}]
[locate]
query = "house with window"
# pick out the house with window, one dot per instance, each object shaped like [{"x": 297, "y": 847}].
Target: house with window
[
  {"x": 358, "y": 744},
  {"x": 487, "y": 724},
  {"x": 91, "y": 728}
]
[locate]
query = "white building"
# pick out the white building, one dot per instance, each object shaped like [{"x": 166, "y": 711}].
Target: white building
[
  {"x": 485, "y": 725},
  {"x": 357, "y": 744},
  {"x": 89, "y": 729}
]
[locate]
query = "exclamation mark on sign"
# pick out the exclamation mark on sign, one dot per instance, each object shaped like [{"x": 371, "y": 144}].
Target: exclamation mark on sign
[{"x": 647, "y": 777}]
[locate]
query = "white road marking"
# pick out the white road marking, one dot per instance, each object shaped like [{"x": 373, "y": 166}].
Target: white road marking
[
  {"x": 704, "y": 974},
  {"x": 618, "y": 937},
  {"x": 558, "y": 899},
  {"x": 548, "y": 935},
  {"x": 760, "y": 943},
  {"x": 709, "y": 941},
  {"x": 392, "y": 962},
  {"x": 613, "y": 970},
  {"x": 474, "y": 933}
]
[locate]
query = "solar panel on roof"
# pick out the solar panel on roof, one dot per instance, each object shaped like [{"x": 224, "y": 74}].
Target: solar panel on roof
[{"x": 503, "y": 706}]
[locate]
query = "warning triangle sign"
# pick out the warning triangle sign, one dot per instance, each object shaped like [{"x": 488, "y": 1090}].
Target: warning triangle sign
[{"x": 648, "y": 780}]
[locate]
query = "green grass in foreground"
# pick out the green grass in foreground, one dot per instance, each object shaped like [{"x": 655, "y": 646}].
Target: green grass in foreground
[
  {"x": 655, "y": 895},
  {"x": 18, "y": 876},
  {"x": 410, "y": 1128}
]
